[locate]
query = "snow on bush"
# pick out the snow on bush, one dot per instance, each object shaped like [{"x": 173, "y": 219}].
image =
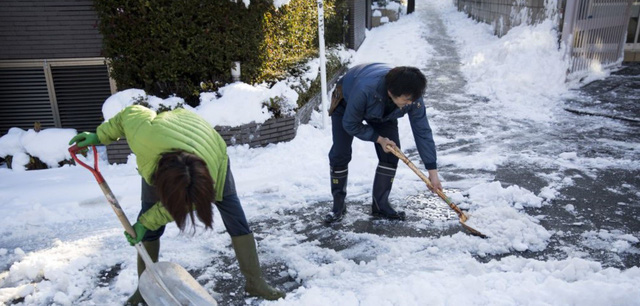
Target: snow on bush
[
  {"x": 10, "y": 143},
  {"x": 49, "y": 146},
  {"x": 240, "y": 103},
  {"x": 118, "y": 101}
]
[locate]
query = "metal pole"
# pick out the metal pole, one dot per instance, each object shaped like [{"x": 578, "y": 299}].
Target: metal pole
[{"x": 323, "y": 65}]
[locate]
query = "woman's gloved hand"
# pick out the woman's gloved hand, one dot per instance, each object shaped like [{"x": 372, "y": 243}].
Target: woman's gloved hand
[
  {"x": 85, "y": 139},
  {"x": 140, "y": 231}
]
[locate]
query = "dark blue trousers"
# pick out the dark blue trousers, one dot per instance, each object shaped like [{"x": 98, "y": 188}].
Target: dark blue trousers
[
  {"x": 230, "y": 208},
  {"x": 340, "y": 154}
]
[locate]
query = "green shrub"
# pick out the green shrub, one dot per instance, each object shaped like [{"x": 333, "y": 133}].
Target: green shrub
[
  {"x": 35, "y": 163},
  {"x": 170, "y": 47},
  {"x": 306, "y": 92}
]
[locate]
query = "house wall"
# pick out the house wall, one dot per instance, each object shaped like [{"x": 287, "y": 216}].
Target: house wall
[
  {"x": 48, "y": 29},
  {"x": 51, "y": 71}
]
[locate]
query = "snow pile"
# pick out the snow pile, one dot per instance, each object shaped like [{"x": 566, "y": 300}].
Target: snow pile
[
  {"x": 497, "y": 213},
  {"x": 492, "y": 194},
  {"x": 48, "y": 145},
  {"x": 503, "y": 69},
  {"x": 61, "y": 274},
  {"x": 241, "y": 103},
  {"x": 61, "y": 244},
  {"x": 464, "y": 281},
  {"x": 380, "y": 45},
  {"x": 118, "y": 101},
  {"x": 234, "y": 104},
  {"x": 10, "y": 143},
  {"x": 614, "y": 240}
]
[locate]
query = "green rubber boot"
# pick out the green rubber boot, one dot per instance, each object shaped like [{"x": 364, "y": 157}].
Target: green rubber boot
[
  {"x": 247, "y": 255},
  {"x": 153, "y": 248}
]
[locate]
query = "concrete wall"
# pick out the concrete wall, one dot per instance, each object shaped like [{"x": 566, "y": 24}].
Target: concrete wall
[{"x": 631, "y": 56}]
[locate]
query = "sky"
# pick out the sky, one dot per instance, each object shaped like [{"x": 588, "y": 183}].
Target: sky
[{"x": 59, "y": 235}]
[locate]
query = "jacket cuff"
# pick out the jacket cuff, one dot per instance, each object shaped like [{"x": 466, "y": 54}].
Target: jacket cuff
[
  {"x": 155, "y": 217},
  {"x": 102, "y": 137},
  {"x": 431, "y": 166},
  {"x": 375, "y": 136},
  {"x": 146, "y": 224}
]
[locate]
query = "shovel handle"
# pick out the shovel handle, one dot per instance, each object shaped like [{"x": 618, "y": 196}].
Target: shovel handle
[
  {"x": 396, "y": 151},
  {"x": 74, "y": 150}
]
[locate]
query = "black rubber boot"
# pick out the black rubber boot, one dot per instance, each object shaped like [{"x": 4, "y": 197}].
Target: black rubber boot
[
  {"x": 381, "y": 188},
  {"x": 247, "y": 255},
  {"x": 339, "y": 177},
  {"x": 153, "y": 248}
]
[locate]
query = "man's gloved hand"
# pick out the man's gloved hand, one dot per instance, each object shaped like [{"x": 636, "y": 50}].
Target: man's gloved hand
[
  {"x": 140, "y": 231},
  {"x": 85, "y": 139}
]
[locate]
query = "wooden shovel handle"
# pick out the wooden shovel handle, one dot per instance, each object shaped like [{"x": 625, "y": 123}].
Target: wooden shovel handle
[{"x": 396, "y": 151}]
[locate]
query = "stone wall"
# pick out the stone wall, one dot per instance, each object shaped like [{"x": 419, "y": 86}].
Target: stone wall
[
  {"x": 118, "y": 152},
  {"x": 273, "y": 130},
  {"x": 381, "y": 16}
]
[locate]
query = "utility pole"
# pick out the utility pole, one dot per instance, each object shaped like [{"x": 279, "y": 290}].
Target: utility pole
[{"x": 323, "y": 65}]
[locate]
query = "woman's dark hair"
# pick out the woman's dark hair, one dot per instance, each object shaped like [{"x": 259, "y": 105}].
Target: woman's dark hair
[
  {"x": 406, "y": 80},
  {"x": 183, "y": 184}
]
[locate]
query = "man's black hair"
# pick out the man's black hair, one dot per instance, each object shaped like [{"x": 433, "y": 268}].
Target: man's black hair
[{"x": 405, "y": 80}]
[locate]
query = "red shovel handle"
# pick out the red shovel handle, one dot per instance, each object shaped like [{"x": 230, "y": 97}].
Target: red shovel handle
[{"x": 74, "y": 150}]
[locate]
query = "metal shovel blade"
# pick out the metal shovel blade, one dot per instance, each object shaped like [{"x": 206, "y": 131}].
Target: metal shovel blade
[
  {"x": 179, "y": 283},
  {"x": 162, "y": 283}
]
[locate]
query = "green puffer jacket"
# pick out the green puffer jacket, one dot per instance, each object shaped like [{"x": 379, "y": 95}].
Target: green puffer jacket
[{"x": 149, "y": 135}]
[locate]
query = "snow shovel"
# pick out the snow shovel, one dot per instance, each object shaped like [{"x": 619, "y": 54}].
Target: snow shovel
[
  {"x": 463, "y": 217},
  {"x": 161, "y": 283}
]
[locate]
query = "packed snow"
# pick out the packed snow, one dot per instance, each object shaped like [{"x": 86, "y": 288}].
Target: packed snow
[{"x": 59, "y": 237}]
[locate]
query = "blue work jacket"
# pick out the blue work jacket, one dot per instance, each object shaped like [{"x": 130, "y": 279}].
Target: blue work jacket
[{"x": 365, "y": 94}]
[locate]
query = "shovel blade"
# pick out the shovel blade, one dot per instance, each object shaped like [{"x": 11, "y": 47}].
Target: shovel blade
[{"x": 179, "y": 283}]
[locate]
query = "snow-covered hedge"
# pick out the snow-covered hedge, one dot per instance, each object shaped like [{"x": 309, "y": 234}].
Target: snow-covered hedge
[{"x": 26, "y": 150}]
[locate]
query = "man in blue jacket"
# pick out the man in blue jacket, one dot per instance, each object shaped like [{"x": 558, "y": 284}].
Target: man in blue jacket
[{"x": 367, "y": 102}]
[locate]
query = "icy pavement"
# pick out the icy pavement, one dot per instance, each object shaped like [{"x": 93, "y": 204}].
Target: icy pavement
[
  {"x": 615, "y": 97},
  {"x": 584, "y": 168}
]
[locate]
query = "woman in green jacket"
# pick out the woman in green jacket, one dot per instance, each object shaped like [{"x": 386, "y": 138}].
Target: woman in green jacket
[{"x": 184, "y": 167}]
